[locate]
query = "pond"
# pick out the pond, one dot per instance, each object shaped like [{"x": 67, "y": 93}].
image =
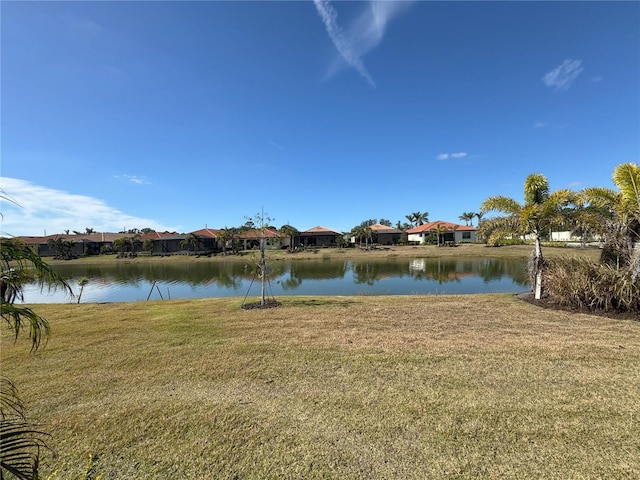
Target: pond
[{"x": 130, "y": 281}]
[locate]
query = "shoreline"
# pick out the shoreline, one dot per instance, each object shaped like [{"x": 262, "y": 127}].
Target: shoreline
[{"x": 462, "y": 250}]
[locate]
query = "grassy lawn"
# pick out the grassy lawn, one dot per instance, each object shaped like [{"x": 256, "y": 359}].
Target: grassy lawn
[
  {"x": 397, "y": 387},
  {"x": 462, "y": 250}
]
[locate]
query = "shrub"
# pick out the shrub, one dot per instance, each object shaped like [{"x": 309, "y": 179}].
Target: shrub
[{"x": 583, "y": 284}]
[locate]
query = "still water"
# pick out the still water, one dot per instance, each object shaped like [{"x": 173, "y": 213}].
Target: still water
[{"x": 130, "y": 281}]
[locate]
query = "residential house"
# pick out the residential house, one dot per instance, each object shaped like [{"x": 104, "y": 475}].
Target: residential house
[
  {"x": 273, "y": 239},
  {"x": 165, "y": 243},
  {"x": 319, "y": 237},
  {"x": 208, "y": 239},
  {"x": 385, "y": 235},
  {"x": 451, "y": 232},
  {"x": 89, "y": 244}
]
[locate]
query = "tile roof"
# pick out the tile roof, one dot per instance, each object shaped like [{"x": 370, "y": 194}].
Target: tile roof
[
  {"x": 378, "y": 228},
  {"x": 320, "y": 230},
  {"x": 100, "y": 237},
  {"x": 257, "y": 233},
  {"x": 163, "y": 236},
  {"x": 207, "y": 232},
  {"x": 450, "y": 226}
]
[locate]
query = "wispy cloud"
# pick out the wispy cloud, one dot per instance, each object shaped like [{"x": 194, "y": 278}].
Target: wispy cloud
[
  {"x": 447, "y": 156},
  {"x": 363, "y": 35},
  {"x": 134, "y": 179},
  {"x": 274, "y": 144},
  {"x": 40, "y": 208},
  {"x": 83, "y": 25},
  {"x": 554, "y": 126},
  {"x": 561, "y": 77}
]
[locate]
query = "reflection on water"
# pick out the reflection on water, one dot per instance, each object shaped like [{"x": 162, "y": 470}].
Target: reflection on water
[{"x": 131, "y": 281}]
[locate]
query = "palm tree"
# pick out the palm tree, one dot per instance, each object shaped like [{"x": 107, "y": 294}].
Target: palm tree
[
  {"x": 191, "y": 240},
  {"x": 358, "y": 234},
  {"x": 368, "y": 236},
  {"x": 540, "y": 209},
  {"x": 148, "y": 245},
  {"x": 411, "y": 219},
  {"x": 291, "y": 232},
  {"x": 82, "y": 281},
  {"x": 120, "y": 245},
  {"x": 21, "y": 442},
  {"x": 56, "y": 246},
  {"x": 440, "y": 231},
  {"x": 623, "y": 211},
  {"x": 223, "y": 237},
  {"x": 63, "y": 248},
  {"x": 418, "y": 218},
  {"x": 467, "y": 217}
]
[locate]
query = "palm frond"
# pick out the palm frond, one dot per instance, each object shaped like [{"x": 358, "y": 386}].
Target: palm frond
[
  {"x": 627, "y": 178},
  {"x": 531, "y": 219},
  {"x": 17, "y": 315},
  {"x": 10, "y": 403},
  {"x": 536, "y": 189},
  {"x": 15, "y": 254},
  {"x": 496, "y": 230},
  {"x": 20, "y": 441},
  {"x": 600, "y": 196},
  {"x": 501, "y": 203}
]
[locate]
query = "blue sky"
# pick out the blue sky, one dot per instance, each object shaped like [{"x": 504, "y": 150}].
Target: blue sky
[{"x": 177, "y": 115}]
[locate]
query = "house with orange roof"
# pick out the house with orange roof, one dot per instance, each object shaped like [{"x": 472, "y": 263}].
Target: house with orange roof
[
  {"x": 319, "y": 237},
  {"x": 208, "y": 239},
  {"x": 385, "y": 235},
  {"x": 164, "y": 243},
  {"x": 450, "y": 233},
  {"x": 94, "y": 243},
  {"x": 252, "y": 238}
]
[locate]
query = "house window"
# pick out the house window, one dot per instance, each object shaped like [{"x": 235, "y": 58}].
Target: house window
[{"x": 466, "y": 235}]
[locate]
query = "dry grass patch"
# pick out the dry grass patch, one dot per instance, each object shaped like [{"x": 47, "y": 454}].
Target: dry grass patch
[{"x": 478, "y": 386}]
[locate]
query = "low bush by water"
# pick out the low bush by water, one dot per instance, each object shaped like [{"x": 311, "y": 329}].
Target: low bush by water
[{"x": 583, "y": 284}]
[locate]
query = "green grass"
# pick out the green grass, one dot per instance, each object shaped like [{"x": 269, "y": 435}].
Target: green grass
[
  {"x": 478, "y": 386},
  {"x": 462, "y": 250}
]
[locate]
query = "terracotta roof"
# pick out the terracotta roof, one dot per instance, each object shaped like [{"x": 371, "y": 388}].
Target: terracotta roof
[
  {"x": 320, "y": 230},
  {"x": 163, "y": 236},
  {"x": 450, "y": 226},
  {"x": 207, "y": 232},
  {"x": 33, "y": 240},
  {"x": 384, "y": 229},
  {"x": 268, "y": 233},
  {"x": 99, "y": 237},
  {"x": 93, "y": 237}
]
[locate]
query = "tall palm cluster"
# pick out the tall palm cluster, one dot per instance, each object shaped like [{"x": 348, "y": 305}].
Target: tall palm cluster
[
  {"x": 418, "y": 218},
  {"x": 608, "y": 214},
  {"x": 363, "y": 233},
  {"x": 467, "y": 217}
]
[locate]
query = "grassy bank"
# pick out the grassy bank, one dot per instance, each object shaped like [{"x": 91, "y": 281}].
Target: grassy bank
[
  {"x": 478, "y": 386},
  {"x": 462, "y": 250}
]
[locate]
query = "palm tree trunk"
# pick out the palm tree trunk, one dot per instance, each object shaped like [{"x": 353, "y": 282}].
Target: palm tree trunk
[
  {"x": 537, "y": 270},
  {"x": 635, "y": 262}
]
